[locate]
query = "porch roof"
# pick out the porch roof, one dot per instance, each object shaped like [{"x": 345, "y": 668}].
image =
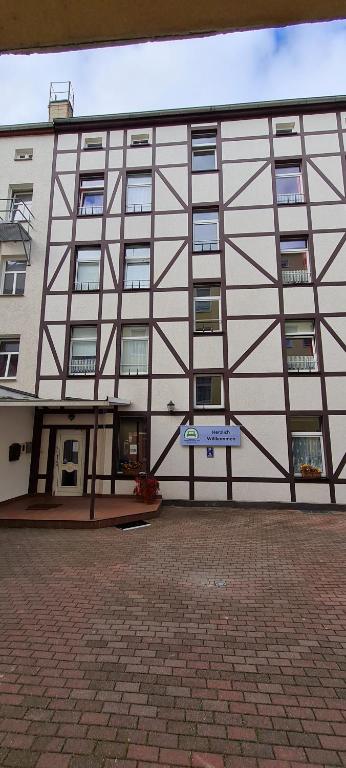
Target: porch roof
[{"x": 17, "y": 398}]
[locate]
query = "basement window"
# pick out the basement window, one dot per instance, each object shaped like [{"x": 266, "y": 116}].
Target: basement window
[
  {"x": 23, "y": 154},
  {"x": 94, "y": 142}
]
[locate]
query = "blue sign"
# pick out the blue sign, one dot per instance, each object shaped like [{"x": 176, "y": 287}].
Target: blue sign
[
  {"x": 220, "y": 435},
  {"x": 210, "y": 452}
]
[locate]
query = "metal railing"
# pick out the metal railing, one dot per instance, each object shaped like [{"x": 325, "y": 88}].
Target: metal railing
[
  {"x": 82, "y": 365},
  {"x": 90, "y": 210},
  {"x": 291, "y": 197},
  {"x": 136, "y": 284},
  {"x": 301, "y": 362},
  {"x": 204, "y": 326},
  {"x": 296, "y": 276},
  {"x": 203, "y": 245},
  {"x": 15, "y": 223},
  {"x": 138, "y": 207},
  {"x": 134, "y": 370},
  {"x": 87, "y": 286}
]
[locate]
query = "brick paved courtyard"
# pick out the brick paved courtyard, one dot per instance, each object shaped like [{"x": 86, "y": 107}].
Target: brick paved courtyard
[{"x": 211, "y": 639}]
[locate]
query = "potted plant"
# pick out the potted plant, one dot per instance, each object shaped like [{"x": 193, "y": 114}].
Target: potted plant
[
  {"x": 146, "y": 488},
  {"x": 310, "y": 472}
]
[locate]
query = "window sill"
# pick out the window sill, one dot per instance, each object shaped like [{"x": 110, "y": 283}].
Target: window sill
[
  {"x": 12, "y": 295},
  {"x": 302, "y": 373},
  {"x": 8, "y": 378},
  {"x": 291, "y": 205},
  {"x": 81, "y": 375},
  {"x": 208, "y": 333},
  {"x": 133, "y": 375},
  {"x": 209, "y": 407},
  {"x": 136, "y": 290},
  {"x": 76, "y": 293},
  {"x": 138, "y": 213},
  {"x": 138, "y": 146},
  {"x": 89, "y": 215},
  {"x": 300, "y": 479},
  {"x": 93, "y": 149},
  {"x": 203, "y": 253},
  {"x": 211, "y": 170}
]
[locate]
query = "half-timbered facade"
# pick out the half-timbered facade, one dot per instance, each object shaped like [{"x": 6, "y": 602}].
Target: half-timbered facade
[{"x": 195, "y": 275}]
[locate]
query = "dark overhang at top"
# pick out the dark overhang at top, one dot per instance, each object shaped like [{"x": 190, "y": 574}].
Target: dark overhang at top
[
  {"x": 35, "y": 26},
  {"x": 174, "y": 116}
]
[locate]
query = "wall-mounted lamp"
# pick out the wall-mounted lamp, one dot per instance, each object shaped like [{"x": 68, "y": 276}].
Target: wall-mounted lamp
[
  {"x": 71, "y": 417},
  {"x": 170, "y": 407}
]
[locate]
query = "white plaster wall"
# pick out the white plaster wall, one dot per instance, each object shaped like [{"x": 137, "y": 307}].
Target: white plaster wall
[
  {"x": 116, "y": 158},
  {"x": 263, "y": 301},
  {"x": 170, "y": 304},
  {"x": 322, "y": 143},
  {"x": 305, "y": 393},
  {"x": 312, "y": 493},
  {"x": 239, "y": 150},
  {"x": 206, "y": 265},
  {"x": 320, "y": 122},
  {"x": 251, "y": 127},
  {"x": 116, "y": 138},
  {"x": 336, "y": 393},
  {"x": 298, "y": 298},
  {"x": 16, "y": 427},
  {"x": 135, "y": 390},
  {"x": 284, "y": 146},
  {"x": 139, "y": 157},
  {"x": 210, "y": 491},
  {"x": 84, "y": 306},
  {"x": 66, "y": 162},
  {"x": 165, "y": 390},
  {"x": 328, "y": 216},
  {"x": 171, "y": 225},
  {"x": 242, "y": 222},
  {"x": 207, "y": 352},
  {"x": 67, "y": 141},
  {"x": 137, "y": 227},
  {"x": 88, "y": 229},
  {"x": 332, "y": 298},
  {"x": 171, "y": 155},
  {"x": 247, "y": 395},
  {"x": 82, "y": 389},
  {"x": 170, "y": 489},
  {"x": 92, "y": 160},
  {"x": 135, "y": 305},
  {"x": 261, "y": 492},
  {"x": 292, "y": 218},
  {"x": 205, "y": 188},
  {"x": 171, "y": 133}
]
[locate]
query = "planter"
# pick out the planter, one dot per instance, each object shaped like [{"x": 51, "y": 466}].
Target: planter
[
  {"x": 312, "y": 477},
  {"x": 146, "y": 489}
]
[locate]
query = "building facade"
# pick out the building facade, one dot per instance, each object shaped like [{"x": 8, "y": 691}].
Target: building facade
[{"x": 193, "y": 274}]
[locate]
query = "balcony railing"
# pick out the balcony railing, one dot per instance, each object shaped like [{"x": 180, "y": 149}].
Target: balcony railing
[
  {"x": 80, "y": 366},
  {"x": 301, "y": 362},
  {"x": 16, "y": 223},
  {"x": 291, "y": 197},
  {"x": 134, "y": 370},
  {"x": 136, "y": 284},
  {"x": 296, "y": 276},
  {"x": 207, "y": 326},
  {"x": 87, "y": 286},
  {"x": 138, "y": 207},
  {"x": 204, "y": 246},
  {"x": 90, "y": 210}
]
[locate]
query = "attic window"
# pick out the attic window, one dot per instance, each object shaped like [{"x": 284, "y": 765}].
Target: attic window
[
  {"x": 23, "y": 154},
  {"x": 139, "y": 139},
  {"x": 94, "y": 142},
  {"x": 284, "y": 129}
]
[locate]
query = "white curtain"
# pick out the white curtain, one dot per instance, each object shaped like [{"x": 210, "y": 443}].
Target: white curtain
[{"x": 307, "y": 450}]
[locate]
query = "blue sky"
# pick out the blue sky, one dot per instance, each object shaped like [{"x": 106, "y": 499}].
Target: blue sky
[{"x": 301, "y": 61}]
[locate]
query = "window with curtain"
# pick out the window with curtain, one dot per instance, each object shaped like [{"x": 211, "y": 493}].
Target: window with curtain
[
  {"x": 307, "y": 442},
  {"x": 134, "y": 350},
  {"x": 289, "y": 183},
  {"x": 83, "y": 350},
  {"x": 132, "y": 446},
  {"x": 137, "y": 267},
  {"x": 87, "y": 269},
  {"x": 138, "y": 192}
]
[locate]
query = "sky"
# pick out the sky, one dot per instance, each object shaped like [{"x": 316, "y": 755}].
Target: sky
[{"x": 295, "y": 62}]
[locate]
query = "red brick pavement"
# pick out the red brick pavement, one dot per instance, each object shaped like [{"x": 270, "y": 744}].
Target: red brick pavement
[{"x": 212, "y": 639}]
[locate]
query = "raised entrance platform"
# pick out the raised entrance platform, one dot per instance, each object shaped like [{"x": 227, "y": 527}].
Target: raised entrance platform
[{"x": 73, "y": 511}]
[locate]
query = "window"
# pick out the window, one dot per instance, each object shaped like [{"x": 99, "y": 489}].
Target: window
[
  {"x": 307, "y": 442},
  {"x": 134, "y": 350},
  {"x": 139, "y": 139},
  {"x": 91, "y": 196},
  {"x": 21, "y": 203},
  {"x": 23, "y": 154},
  {"x": 208, "y": 391},
  {"x": 138, "y": 192},
  {"x": 132, "y": 446},
  {"x": 14, "y": 277},
  {"x": 204, "y": 151},
  {"x": 300, "y": 345},
  {"x": 95, "y": 142},
  {"x": 137, "y": 266},
  {"x": 9, "y": 349},
  {"x": 294, "y": 260},
  {"x": 82, "y": 350},
  {"x": 207, "y": 308},
  {"x": 206, "y": 230},
  {"x": 87, "y": 269},
  {"x": 285, "y": 129},
  {"x": 289, "y": 183}
]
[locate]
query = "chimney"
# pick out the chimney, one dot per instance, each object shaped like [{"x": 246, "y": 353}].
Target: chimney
[{"x": 61, "y": 100}]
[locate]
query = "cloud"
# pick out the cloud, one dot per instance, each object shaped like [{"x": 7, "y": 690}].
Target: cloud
[{"x": 302, "y": 61}]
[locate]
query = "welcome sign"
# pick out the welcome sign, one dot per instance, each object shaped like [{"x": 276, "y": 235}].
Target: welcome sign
[{"x": 190, "y": 434}]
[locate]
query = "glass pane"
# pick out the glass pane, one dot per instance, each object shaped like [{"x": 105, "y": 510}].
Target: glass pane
[
  {"x": 129, "y": 331},
  {"x": 207, "y": 315},
  {"x": 295, "y": 245},
  {"x": 132, "y": 446},
  {"x": 202, "y": 139},
  {"x": 9, "y": 345},
  {"x": 138, "y": 196},
  {"x": 134, "y": 357},
  {"x": 88, "y": 275},
  {"x": 205, "y": 216},
  {"x": 8, "y": 284},
  {"x": 20, "y": 283},
  {"x": 141, "y": 179},
  {"x": 299, "y": 326},
  {"x": 92, "y": 183},
  {"x": 203, "y": 161},
  {"x": 83, "y": 348},
  {"x": 207, "y": 290},
  {"x": 3, "y": 364},
  {"x": 84, "y": 332},
  {"x": 12, "y": 369},
  {"x": 15, "y": 266},
  {"x": 88, "y": 254},
  {"x": 205, "y": 236},
  {"x": 299, "y": 346},
  {"x": 305, "y": 424},
  {"x": 70, "y": 451},
  {"x": 281, "y": 170},
  {"x": 137, "y": 252},
  {"x": 69, "y": 479},
  {"x": 208, "y": 390},
  {"x": 92, "y": 202},
  {"x": 306, "y": 450},
  {"x": 288, "y": 185},
  {"x": 137, "y": 275}
]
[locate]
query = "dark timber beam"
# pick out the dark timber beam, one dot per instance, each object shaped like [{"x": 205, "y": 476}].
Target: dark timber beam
[
  {"x": 93, "y": 465},
  {"x": 85, "y": 23}
]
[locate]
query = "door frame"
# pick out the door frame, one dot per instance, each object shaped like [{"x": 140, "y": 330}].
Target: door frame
[{"x": 61, "y": 435}]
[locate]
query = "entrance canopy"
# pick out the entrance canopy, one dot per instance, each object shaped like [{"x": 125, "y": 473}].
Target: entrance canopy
[{"x": 17, "y": 398}]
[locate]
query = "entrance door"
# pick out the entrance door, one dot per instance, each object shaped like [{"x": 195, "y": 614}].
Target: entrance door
[{"x": 69, "y": 462}]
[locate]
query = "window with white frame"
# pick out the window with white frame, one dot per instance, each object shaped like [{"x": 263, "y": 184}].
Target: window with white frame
[
  {"x": 208, "y": 391},
  {"x": 289, "y": 183},
  {"x": 307, "y": 443},
  {"x": 13, "y": 277},
  {"x": 294, "y": 260},
  {"x": 21, "y": 204},
  {"x": 206, "y": 230},
  {"x": 83, "y": 350},
  {"x": 23, "y": 154},
  {"x": 9, "y": 351},
  {"x": 134, "y": 350},
  {"x": 300, "y": 345},
  {"x": 87, "y": 269},
  {"x": 93, "y": 142},
  {"x": 137, "y": 267},
  {"x": 138, "y": 192},
  {"x": 139, "y": 139},
  {"x": 207, "y": 308},
  {"x": 91, "y": 191},
  {"x": 284, "y": 129},
  {"x": 203, "y": 150}
]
